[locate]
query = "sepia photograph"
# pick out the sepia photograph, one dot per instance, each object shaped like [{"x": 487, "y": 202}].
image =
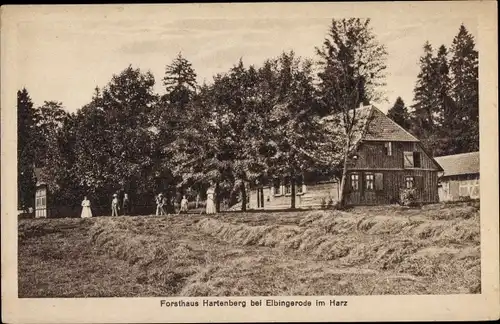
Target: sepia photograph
[{"x": 199, "y": 158}]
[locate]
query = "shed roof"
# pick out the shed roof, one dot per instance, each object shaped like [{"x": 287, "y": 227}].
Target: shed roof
[{"x": 458, "y": 164}]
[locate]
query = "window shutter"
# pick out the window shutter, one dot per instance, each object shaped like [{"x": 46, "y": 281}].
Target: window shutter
[
  {"x": 379, "y": 181},
  {"x": 408, "y": 159}
]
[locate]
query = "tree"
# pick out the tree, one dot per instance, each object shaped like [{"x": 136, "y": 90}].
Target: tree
[
  {"x": 465, "y": 90},
  {"x": 114, "y": 138},
  {"x": 352, "y": 63},
  {"x": 445, "y": 111},
  {"x": 426, "y": 103},
  {"x": 180, "y": 82},
  {"x": 291, "y": 126},
  {"x": 399, "y": 113},
  {"x": 26, "y": 145}
]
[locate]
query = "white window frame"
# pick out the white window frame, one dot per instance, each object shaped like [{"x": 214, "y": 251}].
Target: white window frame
[
  {"x": 370, "y": 181},
  {"x": 352, "y": 177},
  {"x": 412, "y": 181}
]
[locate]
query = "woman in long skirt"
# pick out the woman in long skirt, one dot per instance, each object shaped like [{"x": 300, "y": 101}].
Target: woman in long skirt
[
  {"x": 86, "y": 211},
  {"x": 210, "y": 201}
]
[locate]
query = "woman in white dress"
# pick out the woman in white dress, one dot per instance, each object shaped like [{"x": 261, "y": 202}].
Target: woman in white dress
[
  {"x": 86, "y": 211},
  {"x": 210, "y": 201}
]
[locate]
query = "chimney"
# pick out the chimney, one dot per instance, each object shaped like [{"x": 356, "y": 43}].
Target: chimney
[{"x": 360, "y": 105}]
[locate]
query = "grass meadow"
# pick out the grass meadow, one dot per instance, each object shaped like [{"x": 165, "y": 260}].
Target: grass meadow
[{"x": 362, "y": 251}]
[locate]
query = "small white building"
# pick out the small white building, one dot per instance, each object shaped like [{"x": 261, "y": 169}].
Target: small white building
[{"x": 460, "y": 178}]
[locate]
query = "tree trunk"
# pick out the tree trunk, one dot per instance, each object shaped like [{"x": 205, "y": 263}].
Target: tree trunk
[
  {"x": 217, "y": 199},
  {"x": 243, "y": 197},
  {"x": 292, "y": 200},
  {"x": 344, "y": 175}
]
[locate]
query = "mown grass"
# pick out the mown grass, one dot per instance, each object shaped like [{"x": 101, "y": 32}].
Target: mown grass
[{"x": 367, "y": 250}]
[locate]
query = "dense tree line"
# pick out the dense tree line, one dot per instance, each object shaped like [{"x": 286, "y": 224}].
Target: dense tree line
[
  {"x": 445, "y": 113},
  {"x": 248, "y": 125}
]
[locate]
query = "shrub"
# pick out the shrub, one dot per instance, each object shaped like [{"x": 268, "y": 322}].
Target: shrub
[
  {"x": 329, "y": 204},
  {"x": 408, "y": 197},
  {"x": 323, "y": 203}
]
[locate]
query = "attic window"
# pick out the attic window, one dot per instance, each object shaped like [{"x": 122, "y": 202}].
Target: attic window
[
  {"x": 388, "y": 148},
  {"x": 411, "y": 160}
]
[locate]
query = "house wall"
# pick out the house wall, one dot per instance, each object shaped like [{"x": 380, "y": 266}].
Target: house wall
[
  {"x": 372, "y": 155},
  {"x": 392, "y": 182},
  {"x": 457, "y": 187},
  {"x": 312, "y": 196},
  {"x": 372, "y": 158}
]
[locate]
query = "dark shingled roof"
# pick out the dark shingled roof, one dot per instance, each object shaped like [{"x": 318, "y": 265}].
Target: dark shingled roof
[
  {"x": 382, "y": 128},
  {"x": 458, "y": 164},
  {"x": 373, "y": 125}
]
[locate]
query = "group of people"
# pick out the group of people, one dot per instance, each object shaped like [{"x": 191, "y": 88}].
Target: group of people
[
  {"x": 115, "y": 206},
  {"x": 161, "y": 204}
]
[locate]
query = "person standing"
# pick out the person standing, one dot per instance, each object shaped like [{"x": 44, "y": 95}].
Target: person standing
[
  {"x": 159, "y": 198},
  {"x": 210, "y": 209},
  {"x": 164, "y": 204},
  {"x": 184, "y": 205},
  {"x": 86, "y": 211},
  {"x": 114, "y": 205},
  {"x": 126, "y": 205}
]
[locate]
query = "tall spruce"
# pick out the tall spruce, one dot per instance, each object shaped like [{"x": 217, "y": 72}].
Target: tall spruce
[
  {"x": 180, "y": 82},
  {"x": 399, "y": 113},
  {"x": 425, "y": 107},
  {"x": 465, "y": 90}
]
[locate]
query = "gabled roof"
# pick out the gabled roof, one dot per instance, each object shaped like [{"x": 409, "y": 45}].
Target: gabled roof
[
  {"x": 373, "y": 125},
  {"x": 382, "y": 128},
  {"x": 459, "y": 164}
]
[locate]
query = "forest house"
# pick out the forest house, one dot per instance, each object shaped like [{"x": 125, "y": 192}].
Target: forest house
[{"x": 384, "y": 159}]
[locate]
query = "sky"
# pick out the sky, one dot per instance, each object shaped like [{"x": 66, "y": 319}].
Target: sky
[{"x": 62, "y": 54}]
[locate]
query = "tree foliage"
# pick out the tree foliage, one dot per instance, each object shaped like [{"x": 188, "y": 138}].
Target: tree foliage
[
  {"x": 445, "y": 111},
  {"x": 399, "y": 113},
  {"x": 287, "y": 119}
]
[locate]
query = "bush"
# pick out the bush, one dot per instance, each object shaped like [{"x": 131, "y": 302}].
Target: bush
[
  {"x": 323, "y": 203},
  {"x": 408, "y": 197}
]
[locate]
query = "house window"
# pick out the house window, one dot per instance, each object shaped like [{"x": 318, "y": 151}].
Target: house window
[
  {"x": 355, "y": 181},
  {"x": 277, "y": 187},
  {"x": 288, "y": 186},
  {"x": 369, "y": 180},
  {"x": 388, "y": 148},
  {"x": 409, "y": 182},
  {"x": 416, "y": 159},
  {"x": 412, "y": 159}
]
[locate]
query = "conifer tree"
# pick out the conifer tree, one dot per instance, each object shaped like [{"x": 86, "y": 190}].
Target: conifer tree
[
  {"x": 26, "y": 146},
  {"x": 465, "y": 90},
  {"x": 399, "y": 113}
]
